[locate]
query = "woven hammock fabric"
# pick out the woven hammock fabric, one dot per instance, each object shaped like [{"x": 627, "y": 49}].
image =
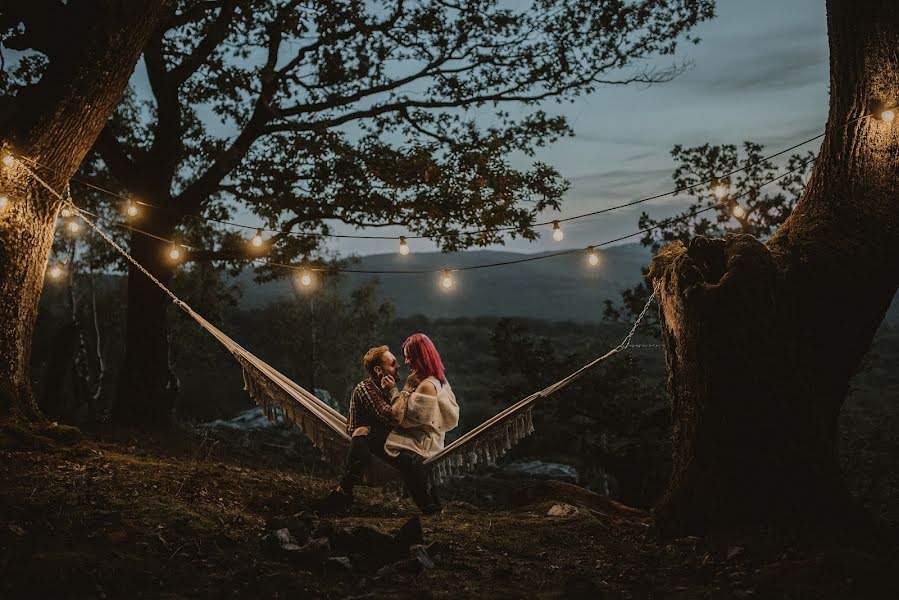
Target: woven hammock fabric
[{"x": 282, "y": 399}]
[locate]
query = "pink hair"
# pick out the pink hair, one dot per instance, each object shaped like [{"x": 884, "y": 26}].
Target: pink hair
[{"x": 423, "y": 356}]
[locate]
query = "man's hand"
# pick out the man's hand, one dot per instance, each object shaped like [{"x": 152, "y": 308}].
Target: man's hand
[{"x": 387, "y": 383}]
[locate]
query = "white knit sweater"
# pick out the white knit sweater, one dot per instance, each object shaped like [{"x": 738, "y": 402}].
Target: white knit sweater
[{"x": 426, "y": 419}]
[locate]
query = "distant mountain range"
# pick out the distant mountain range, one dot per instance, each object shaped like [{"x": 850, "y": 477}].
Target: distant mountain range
[
  {"x": 562, "y": 287},
  {"x": 558, "y": 288}
]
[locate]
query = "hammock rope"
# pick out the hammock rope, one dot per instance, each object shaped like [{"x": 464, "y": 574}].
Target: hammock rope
[{"x": 282, "y": 399}]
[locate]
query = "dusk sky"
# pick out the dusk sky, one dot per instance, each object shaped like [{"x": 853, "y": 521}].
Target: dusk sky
[{"x": 759, "y": 73}]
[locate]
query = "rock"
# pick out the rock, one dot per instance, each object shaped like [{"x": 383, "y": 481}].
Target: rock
[
  {"x": 437, "y": 549},
  {"x": 562, "y": 510},
  {"x": 339, "y": 563},
  {"x": 313, "y": 552},
  {"x": 420, "y": 553},
  {"x": 409, "y": 566},
  {"x": 409, "y": 534},
  {"x": 17, "y": 529},
  {"x": 299, "y": 525},
  {"x": 364, "y": 540},
  {"x": 538, "y": 469},
  {"x": 278, "y": 539}
]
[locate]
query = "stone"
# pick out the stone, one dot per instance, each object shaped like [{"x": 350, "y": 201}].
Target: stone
[
  {"x": 339, "y": 563},
  {"x": 364, "y": 540},
  {"x": 537, "y": 469},
  {"x": 420, "y": 553},
  {"x": 562, "y": 510},
  {"x": 409, "y": 534},
  {"x": 278, "y": 538}
]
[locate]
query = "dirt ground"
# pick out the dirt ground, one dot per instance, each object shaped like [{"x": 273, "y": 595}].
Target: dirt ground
[{"x": 91, "y": 519}]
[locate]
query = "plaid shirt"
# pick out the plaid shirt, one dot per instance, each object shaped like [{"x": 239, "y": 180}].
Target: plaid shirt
[{"x": 369, "y": 407}]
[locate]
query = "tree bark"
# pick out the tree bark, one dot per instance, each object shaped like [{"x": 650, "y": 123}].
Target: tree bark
[
  {"x": 55, "y": 122},
  {"x": 144, "y": 397},
  {"x": 761, "y": 339}
]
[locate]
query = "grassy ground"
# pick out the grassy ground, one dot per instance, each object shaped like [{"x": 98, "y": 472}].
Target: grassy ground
[{"x": 129, "y": 519}]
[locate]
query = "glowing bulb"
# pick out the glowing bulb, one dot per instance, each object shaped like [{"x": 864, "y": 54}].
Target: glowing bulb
[
  {"x": 739, "y": 211},
  {"x": 74, "y": 227},
  {"x": 447, "y": 279},
  {"x": 888, "y": 115},
  {"x": 174, "y": 253},
  {"x": 306, "y": 279},
  {"x": 720, "y": 190},
  {"x": 404, "y": 247},
  {"x": 9, "y": 160},
  {"x": 66, "y": 212},
  {"x": 55, "y": 272},
  {"x": 132, "y": 209},
  {"x": 257, "y": 239},
  {"x": 557, "y": 232},
  {"x": 592, "y": 257},
  {"x": 4, "y": 202}
]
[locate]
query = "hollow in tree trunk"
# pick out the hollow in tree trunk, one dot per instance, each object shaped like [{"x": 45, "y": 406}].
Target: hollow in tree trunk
[{"x": 762, "y": 339}]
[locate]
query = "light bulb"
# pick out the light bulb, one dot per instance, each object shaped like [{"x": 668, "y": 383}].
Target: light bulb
[
  {"x": 447, "y": 279},
  {"x": 257, "y": 239},
  {"x": 720, "y": 190},
  {"x": 174, "y": 253},
  {"x": 557, "y": 232},
  {"x": 306, "y": 279},
  {"x": 739, "y": 211},
  {"x": 9, "y": 160},
  {"x": 404, "y": 247},
  {"x": 132, "y": 209},
  {"x": 592, "y": 257},
  {"x": 4, "y": 202},
  {"x": 888, "y": 115},
  {"x": 55, "y": 272},
  {"x": 74, "y": 227},
  {"x": 66, "y": 212}
]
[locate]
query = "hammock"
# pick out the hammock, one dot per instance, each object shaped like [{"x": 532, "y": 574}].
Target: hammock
[{"x": 282, "y": 399}]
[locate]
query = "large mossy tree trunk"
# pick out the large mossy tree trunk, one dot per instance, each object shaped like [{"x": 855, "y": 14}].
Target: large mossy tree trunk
[
  {"x": 92, "y": 47},
  {"x": 761, "y": 340}
]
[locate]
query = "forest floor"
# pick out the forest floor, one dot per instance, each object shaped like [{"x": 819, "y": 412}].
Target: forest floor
[{"x": 141, "y": 517}]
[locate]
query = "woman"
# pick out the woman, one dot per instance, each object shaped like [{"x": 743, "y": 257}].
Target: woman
[{"x": 427, "y": 409}]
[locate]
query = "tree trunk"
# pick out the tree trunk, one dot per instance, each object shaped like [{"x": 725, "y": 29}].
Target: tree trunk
[
  {"x": 55, "y": 122},
  {"x": 144, "y": 396},
  {"x": 762, "y": 339}
]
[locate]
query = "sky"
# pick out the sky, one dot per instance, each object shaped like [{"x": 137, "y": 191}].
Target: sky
[{"x": 759, "y": 73}]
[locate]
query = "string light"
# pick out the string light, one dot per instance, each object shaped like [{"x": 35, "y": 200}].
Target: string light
[
  {"x": 557, "y": 232},
  {"x": 4, "y": 202},
  {"x": 592, "y": 257},
  {"x": 66, "y": 212},
  {"x": 888, "y": 115},
  {"x": 720, "y": 190},
  {"x": 131, "y": 211},
  {"x": 306, "y": 278},
  {"x": 446, "y": 279},
  {"x": 257, "y": 239},
  {"x": 404, "y": 247},
  {"x": 9, "y": 160},
  {"x": 74, "y": 227},
  {"x": 739, "y": 211},
  {"x": 55, "y": 272},
  {"x": 174, "y": 253}
]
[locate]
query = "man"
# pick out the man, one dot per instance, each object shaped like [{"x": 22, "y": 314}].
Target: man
[{"x": 372, "y": 415}]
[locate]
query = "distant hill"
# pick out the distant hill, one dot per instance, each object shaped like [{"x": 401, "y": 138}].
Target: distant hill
[{"x": 559, "y": 288}]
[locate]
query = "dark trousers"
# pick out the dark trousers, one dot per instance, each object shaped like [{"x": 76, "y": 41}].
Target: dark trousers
[{"x": 364, "y": 448}]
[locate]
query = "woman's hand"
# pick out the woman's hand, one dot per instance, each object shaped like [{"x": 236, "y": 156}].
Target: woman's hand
[
  {"x": 412, "y": 382},
  {"x": 387, "y": 383}
]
